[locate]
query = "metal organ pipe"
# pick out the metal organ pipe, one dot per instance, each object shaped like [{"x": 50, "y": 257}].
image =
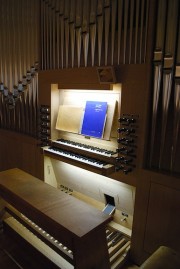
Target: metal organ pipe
[
  {"x": 97, "y": 24},
  {"x": 18, "y": 58}
]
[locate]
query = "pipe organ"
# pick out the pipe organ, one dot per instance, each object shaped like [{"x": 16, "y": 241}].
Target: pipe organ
[{"x": 96, "y": 177}]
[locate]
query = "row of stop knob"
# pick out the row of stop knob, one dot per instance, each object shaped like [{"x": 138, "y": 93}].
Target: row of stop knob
[
  {"x": 44, "y": 125},
  {"x": 127, "y": 138}
]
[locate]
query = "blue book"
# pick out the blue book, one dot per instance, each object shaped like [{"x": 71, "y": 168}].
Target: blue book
[{"x": 94, "y": 119}]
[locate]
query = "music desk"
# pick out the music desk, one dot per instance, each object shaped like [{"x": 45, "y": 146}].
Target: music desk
[{"x": 77, "y": 225}]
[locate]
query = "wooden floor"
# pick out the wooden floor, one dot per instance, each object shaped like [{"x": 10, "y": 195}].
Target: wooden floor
[{"x": 8, "y": 262}]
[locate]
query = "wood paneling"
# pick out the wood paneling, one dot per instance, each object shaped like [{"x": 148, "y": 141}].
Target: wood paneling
[
  {"x": 163, "y": 210},
  {"x": 156, "y": 217},
  {"x": 21, "y": 151}
]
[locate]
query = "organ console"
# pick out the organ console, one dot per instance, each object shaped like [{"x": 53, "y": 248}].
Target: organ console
[
  {"x": 83, "y": 167},
  {"x": 79, "y": 217},
  {"x": 95, "y": 158},
  {"x": 68, "y": 145}
]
